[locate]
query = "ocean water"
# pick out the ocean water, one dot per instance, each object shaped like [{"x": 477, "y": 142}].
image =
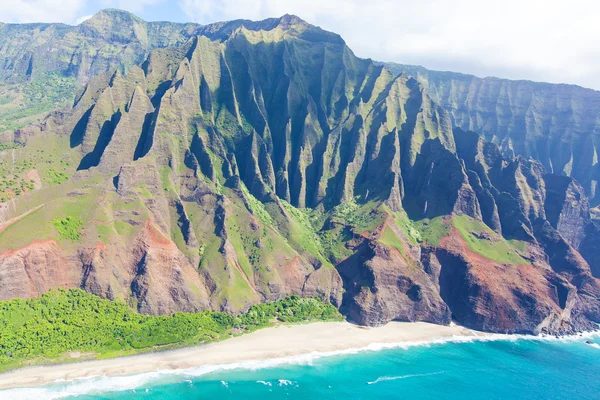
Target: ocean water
[{"x": 498, "y": 368}]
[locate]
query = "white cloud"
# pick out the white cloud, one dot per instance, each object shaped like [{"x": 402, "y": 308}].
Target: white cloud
[
  {"x": 552, "y": 40},
  {"x": 20, "y": 11}
]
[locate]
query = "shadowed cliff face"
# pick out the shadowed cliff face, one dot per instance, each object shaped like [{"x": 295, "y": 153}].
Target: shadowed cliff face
[
  {"x": 554, "y": 124},
  {"x": 258, "y": 160}
]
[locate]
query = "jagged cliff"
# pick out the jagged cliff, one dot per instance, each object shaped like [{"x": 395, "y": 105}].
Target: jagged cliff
[
  {"x": 267, "y": 160},
  {"x": 556, "y": 125}
]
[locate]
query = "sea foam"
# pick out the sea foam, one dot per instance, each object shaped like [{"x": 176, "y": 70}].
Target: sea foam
[
  {"x": 102, "y": 384},
  {"x": 393, "y": 378}
]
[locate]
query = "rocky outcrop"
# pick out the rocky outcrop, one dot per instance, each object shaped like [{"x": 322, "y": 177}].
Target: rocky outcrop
[
  {"x": 385, "y": 279},
  {"x": 382, "y": 286}
]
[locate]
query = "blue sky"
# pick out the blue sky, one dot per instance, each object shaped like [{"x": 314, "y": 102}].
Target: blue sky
[{"x": 542, "y": 40}]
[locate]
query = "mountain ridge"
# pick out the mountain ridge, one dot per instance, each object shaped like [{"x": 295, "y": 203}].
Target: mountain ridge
[
  {"x": 414, "y": 70},
  {"x": 533, "y": 119},
  {"x": 220, "y": 173}
]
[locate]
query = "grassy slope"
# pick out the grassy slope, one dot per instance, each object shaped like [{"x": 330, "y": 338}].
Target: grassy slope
[
  {"x": 44, "y": 330},
  {"x": 431, "y": 231},
  {"x": 390, "y": 239},
  {"x": 104, "y": 215},
  {"x": 478, "y": 236},
  {"x": 495, "y": 248},
  {"x": 49, "y": 155},
  {"x": 39, "y": 225}
]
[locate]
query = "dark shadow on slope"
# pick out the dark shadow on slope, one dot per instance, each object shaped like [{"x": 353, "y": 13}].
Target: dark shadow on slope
[
  {"x": 78, "y": 133},
  {"x": 375, "y": 176},
  {"x": 29, "y": 67},
  {"x": 92, "y": 159},
  {"x": 145, "y": 141},
  {"x": 454, "y": 289},
  {"x": 183, "y": 222},
  {"x": 355, "y": 276},
  {"x": 159, "y": 93},
  {"x": 202, "y": 156}
]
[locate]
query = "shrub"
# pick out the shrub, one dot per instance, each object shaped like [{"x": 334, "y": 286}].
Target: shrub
[{"x": 68, "y": 227}]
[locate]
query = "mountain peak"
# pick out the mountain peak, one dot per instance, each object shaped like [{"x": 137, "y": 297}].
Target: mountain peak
[
  {"x": 115, "y": 24},
  {"x": 308, "y": 31},
  {"x": 111, "y": 16},
  {"x": 291, "y": 19}
]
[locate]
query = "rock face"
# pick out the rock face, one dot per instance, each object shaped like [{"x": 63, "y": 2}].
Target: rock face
[
  {"x": 382, "y": 285},
  {"x": 555, "y": 124},
  {"x": 31, "y": 270},
  {"x": 491, "y": 296},
  {"x": 567, "y": 208},
  {"x": 259, "y": 160}
]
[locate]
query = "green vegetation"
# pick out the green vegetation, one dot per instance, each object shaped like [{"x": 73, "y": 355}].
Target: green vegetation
[
  {"x": 362, "y": 217},
  {"x": 257, "y": 208},
  {"x": 390, "y": 239},
  {"x": 45, "y": 161},
  {"x": 227, "y": 124},
  {"x": 334, "y": 242},
  {"x": 304, "y": 232},
  {"x": 408, "y": 227},
  {"x": 55, "y": 177},
  {"x": 478, "y": 236},
  {"x": 13, "y": 181},
  {"x": 47, "y": 328},
  {"x": 518, "y": 244},
  {"x": 9, "y": 146},
  {"x": 431, "y": 231},
  {"x": 345, "y": 221},
  {"x": 28, "y": 104},
  {"x": 68, "y": 227},
  {"x": 486, "y": 242}
]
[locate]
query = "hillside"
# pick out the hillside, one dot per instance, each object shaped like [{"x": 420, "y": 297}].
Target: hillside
[{"x": 258, "y": 160}]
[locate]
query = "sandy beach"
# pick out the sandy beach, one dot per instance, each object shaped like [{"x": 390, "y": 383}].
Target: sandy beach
[{"x": 270, "y": 343}]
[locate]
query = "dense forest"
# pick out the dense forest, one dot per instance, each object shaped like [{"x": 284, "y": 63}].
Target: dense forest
[{"x": 47, "y": 328}]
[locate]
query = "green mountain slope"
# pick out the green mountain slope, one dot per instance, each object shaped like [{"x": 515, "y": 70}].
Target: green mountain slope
[{"x": 263, "y": 159}]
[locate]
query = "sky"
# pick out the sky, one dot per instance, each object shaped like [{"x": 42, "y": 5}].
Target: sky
[{"x": 552, "y": 40}]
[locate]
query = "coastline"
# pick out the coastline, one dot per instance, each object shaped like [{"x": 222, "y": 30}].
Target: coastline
[{"x": 275, "y": 343}]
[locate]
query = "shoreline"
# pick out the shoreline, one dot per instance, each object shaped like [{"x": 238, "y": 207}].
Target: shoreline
[
  {"x": 274, "y": 343},
  {"x": 282, "y": 344}
]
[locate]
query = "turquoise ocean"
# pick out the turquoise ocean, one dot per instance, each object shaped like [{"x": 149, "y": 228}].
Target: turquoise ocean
[{"x": 502, "y": 367}]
